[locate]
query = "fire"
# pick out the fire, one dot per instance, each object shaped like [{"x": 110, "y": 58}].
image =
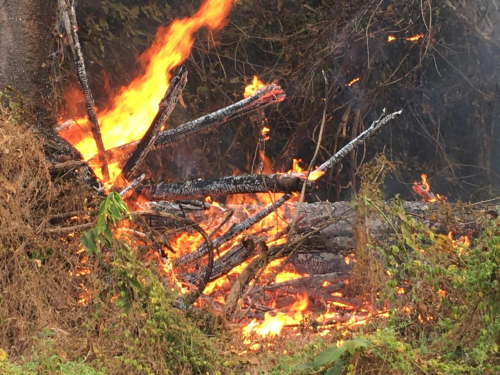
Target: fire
[
  {"x": 134, "y": 107},
  {"x": 273, "y": 325},
  {"x": 415, "y": 38},
  {"x": 297, "y": 169},
  {"x": 391, "y": 38},
  {"x": 353, "y": 82},
  {"x": 463, "y": 241},
  {"x": 424, "y": 190},
  {"x": 265, "y": 133},
  {"x": 252, "y": 88}
]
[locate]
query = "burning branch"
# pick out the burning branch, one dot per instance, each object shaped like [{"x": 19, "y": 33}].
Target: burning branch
[
  {"x": 208, "y": 246},
  {"x": 167, "y": 105},
  {"x": 89, "y": 99},
  {"x": 360, "y": 139},
  {"x": 233, "y": 231},
  {"x": 277, "y": 183},
  {"x": 263, "y": 98}
]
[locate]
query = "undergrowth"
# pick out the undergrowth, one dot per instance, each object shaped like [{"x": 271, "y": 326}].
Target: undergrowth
[{"x": 120, "y": 316}]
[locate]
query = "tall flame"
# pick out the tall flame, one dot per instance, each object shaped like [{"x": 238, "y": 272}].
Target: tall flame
[
  {"x": 252, "y": 88},
  {"x": 135, "y": 106}
]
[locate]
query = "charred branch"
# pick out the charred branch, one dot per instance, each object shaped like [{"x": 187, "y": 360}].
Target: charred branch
[
  {"x": 190, "y": 299},
  {"x": 374, "y": 128},
  {"x": 263, "y": 98},
  {"x": 276, "y": 183},
  {"x": 232, "y": 232},
  {"x": 167, "y": 105},
  {"x": 84, "y": 83}
]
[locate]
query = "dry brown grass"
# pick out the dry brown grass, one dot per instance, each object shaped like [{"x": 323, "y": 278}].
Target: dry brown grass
[{"x": 36, "y": 289}]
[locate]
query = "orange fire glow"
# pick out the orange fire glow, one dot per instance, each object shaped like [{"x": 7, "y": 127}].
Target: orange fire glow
[
  {"x": 415, "y": 38},
  {"x": 424, "y": 190},
  {"x": 134, "y": 107},
  {"x": 353, "y": 82},
  {"x": 391, "y": 38},
  {"x": 265, "y": 133},
  {"x": 273, "y": 325},
  {"x": 252, "y": 88},
  {"x": 297, "y": 169}
]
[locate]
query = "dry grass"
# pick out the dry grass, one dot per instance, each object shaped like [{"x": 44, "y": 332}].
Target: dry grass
[{"x": 36, "y": 289}]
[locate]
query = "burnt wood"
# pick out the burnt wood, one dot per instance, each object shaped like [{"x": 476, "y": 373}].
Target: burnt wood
[{"x": 243, "y": 184}]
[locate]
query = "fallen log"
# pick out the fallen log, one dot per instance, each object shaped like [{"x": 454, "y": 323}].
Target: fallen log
[
  {"x": 232, "y": 232},
  {"x": 263, "y": 98},
  {"x": 243, "y": 184}
]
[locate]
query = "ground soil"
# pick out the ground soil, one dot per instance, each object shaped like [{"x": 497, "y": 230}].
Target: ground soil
[{"x": 25, "y": 45}]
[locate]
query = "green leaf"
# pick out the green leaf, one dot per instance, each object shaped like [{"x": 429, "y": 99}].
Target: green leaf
[
  {"x": 108, "y": 235},
  {"x": 355, "y": 344},
  {"x": 336, "y": 369},
  {"x": 135, "y": 283},
  {"x": 101, "y": 224},
  {"x": 304, "y": 366},
  {"x": 329, "y": 355}
]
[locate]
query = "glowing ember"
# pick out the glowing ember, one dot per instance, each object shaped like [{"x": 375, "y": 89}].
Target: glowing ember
[
  {"x": 252, "y": 88},
  {"x": 415, "y": 38},
  {"x": 265, "y": 133},
  {"x": 353, "y": 82},
  {"x": 424, "y": 190},
  {"x": 136, "y": 105},
  {"x": 391, "y": 38}
]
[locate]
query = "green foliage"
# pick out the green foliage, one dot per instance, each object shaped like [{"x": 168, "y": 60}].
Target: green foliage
[
  {"x": 111, "y": 210},
  {"x": 329, "y": 361},
  {"x": 46, "y": 361}
]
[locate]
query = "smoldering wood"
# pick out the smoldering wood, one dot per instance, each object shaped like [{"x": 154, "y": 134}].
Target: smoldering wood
[
  {"x": 374, "y": 128},
  {"x": 268, "y": 95},
  {"x": 87, "y": 93},
  {"x": 191, "y": 298},
  {"x": 166, "y": 107},
  {"x": 242, "y": 184},
  {"x": 315, "y": 256},
  {"x": 308, "y": 283},
  {"x": 232, "y": 232},
  {"x": 241, "y": 282},
  {"x": 325, "y": 252}
]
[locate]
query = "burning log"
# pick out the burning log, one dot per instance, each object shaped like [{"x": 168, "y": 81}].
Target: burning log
[
  {"x": 167, "y": 105},
  {"x": 276, "y": 183},
  {"x": 232, "y": 232},
  {"x": 84, "y": 83},
  {"x": 263, "y": 98}
]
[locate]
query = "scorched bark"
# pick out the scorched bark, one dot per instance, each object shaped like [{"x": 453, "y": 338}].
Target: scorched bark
[{"x": 243, "y": 184}]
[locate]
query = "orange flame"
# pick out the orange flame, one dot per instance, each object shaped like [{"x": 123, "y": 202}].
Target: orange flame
[
  {"x": 265, "y": 133},
  {"x": 136, "y": 105},
  {"x": 297, "y": 169},
  {"x": 415, "y": 38},
  {"x": 273, "y": 325},
  {"x": 391, "y": 38},
  {"x": 353, "y": 82},
  {"x": 252, "y": 88}
]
